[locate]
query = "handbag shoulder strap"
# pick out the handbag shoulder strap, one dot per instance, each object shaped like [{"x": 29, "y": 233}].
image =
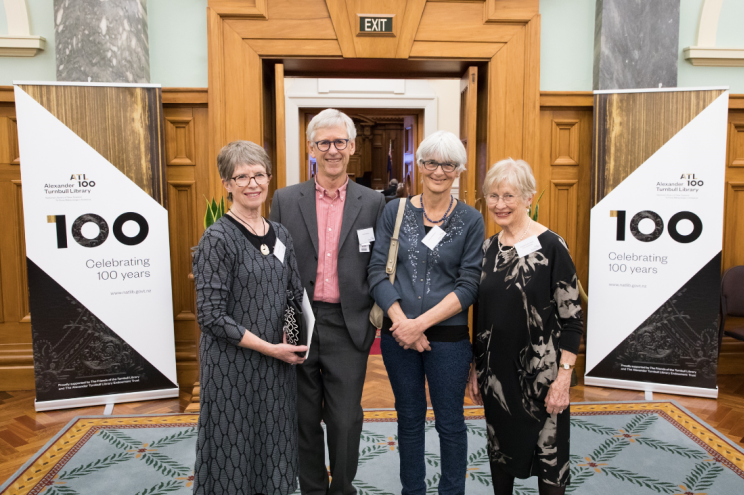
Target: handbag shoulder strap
[{"x": 393, "y": 253}]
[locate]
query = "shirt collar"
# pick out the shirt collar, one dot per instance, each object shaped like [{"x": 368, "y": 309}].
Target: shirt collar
[{"x": 341, "y": 191}]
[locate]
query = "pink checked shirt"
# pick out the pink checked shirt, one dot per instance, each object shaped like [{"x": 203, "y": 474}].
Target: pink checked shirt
[{"x": 330, "y": 212}]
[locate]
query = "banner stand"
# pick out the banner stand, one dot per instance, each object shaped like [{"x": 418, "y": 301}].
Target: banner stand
[
  {"x": 656, "y": 225},
  {"x": 650, "y": 387},
  {"x": 97, "y": 243},
  {"x": 97, "y": 400}
]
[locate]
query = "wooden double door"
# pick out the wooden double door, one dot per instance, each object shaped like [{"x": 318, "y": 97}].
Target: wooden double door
[{"x": 492, "y": 45}]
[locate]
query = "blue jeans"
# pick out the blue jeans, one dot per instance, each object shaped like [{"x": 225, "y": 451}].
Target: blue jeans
[{"x": 446, "y": 367}]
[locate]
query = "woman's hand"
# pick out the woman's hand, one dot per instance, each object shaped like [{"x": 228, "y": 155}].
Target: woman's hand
[
  {"x": 407, "y": 332},
  {"x": 559, "y": 393},
  {"x": 473, "y": 389},
  {"x": 288, "y": 352},
  {"x": 420, "y": 345}
]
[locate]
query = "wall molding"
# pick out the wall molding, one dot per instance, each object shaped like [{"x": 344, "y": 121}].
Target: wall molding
[
  {"x": 19, "y": 42},
  {"x": 705, "y": 53}
]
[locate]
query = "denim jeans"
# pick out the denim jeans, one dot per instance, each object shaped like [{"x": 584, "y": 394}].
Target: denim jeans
[{"x": 446, "y": 367}]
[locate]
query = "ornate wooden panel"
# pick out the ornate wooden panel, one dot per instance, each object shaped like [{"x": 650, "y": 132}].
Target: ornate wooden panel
[
  {"x": 565, "y": 142},
  {"x": 563, "y": 201},
  {"x": 179, "y": 138},
  {"x": 563, "y": 172},
  {"x": 736, "y": 142},
  {"x": 182, "y": 225},
  {"x": 13, "y": 154},
  {"x": 733, "y": 222},
  {"x": 734, "y": 225},
  {"x": 20, "y": 241},
  {"x": 187, "y": 178}
]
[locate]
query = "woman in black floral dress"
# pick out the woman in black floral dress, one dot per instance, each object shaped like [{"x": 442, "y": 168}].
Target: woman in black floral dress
[{"x": 528, "y": 334}]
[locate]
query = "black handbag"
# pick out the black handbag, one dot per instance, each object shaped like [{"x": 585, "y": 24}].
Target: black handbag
[{"x": 294, "y": 323}]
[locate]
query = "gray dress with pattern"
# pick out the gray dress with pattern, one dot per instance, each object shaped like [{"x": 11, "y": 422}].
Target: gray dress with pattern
[{"x": 247, "y": 432}]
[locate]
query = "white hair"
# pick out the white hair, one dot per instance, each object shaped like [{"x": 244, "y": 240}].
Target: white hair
[
  {"x": 330, "y": 117},
  {"x": 516, "y": 173},
  {"x": 443, "y": 146}
]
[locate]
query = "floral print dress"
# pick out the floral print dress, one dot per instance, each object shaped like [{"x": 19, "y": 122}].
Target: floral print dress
[{"x": 528, "y": 312}]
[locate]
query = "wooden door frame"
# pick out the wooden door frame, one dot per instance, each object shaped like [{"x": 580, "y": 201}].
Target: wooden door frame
[{"x": 503, "y": 33}]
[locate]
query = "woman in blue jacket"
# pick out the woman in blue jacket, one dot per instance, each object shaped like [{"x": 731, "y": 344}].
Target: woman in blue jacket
[{"x": 425, "y": 330}]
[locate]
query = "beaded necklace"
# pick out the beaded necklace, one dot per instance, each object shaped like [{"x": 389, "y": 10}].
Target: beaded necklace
[{"x": 452, "y": 199}]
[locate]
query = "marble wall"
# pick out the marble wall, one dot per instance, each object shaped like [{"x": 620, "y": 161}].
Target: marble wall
[
  {"x": 102, "y": 41},
  {"x": 636, "y": 44}
]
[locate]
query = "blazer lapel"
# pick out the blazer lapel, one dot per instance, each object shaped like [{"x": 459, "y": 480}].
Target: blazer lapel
[
  {"x": 307, "y": 208},
  {"x": 352, "y": 207}
]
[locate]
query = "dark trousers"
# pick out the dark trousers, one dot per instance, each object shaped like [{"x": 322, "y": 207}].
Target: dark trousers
[
  {"x": 446, "y": 368},
  {"x": 329, "y": 388}
]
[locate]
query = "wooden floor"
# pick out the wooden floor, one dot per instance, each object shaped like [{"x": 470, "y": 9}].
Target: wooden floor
[{"x": 24, "y": 431}]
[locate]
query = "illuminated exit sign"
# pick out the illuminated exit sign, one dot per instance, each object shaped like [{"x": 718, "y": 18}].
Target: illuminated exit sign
[{"x": 375, "y": 23}]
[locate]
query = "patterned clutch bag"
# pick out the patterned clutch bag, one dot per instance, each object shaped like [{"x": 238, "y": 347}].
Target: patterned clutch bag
[{"x": 294, "y": 323}]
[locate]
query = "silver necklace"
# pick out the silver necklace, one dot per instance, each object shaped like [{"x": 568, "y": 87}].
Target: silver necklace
[
  {"x": 501, "y": 247},
  {"x": 264, "y": 248}
]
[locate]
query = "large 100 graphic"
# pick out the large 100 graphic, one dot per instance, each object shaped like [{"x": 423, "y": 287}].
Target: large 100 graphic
[
  {"x": 697, "y": 226},
  {"x": 103, "y": 233}
]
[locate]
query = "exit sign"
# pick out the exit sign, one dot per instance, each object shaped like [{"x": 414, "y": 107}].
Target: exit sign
[{"x": 375, "y": 23}]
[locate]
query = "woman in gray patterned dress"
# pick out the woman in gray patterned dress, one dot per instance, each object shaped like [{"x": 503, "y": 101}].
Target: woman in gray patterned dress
[
  {"x": 529, "y": 330},
  {"x": 247, "y": 432}
]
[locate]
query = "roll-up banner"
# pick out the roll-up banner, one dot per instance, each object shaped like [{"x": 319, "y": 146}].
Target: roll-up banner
[
  {"x": 97, "y": 244},
  {"x": 656, "y": 238}
]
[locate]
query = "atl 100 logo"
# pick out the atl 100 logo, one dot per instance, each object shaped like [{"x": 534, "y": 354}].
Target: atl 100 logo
[
  {"x": 697, "y": 226},
  {"x": 103, "y": 229}
]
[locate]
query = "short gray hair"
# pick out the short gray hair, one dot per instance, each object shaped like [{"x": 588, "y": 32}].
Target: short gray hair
[
  {"x": 517, "y": 173},
  {"x": 330, "y": 117},
  {"x": 241, "y": 153},
  {"x": 445, "y": 147}
]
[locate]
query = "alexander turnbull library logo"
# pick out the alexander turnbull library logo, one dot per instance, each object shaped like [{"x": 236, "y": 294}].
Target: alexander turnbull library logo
[
  {"x": 76, "y": 184},
  {"x": 686, "y": 183}
]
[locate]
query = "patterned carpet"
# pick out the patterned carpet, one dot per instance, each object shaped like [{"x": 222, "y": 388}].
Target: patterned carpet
[{"x": 639, "y": 447}]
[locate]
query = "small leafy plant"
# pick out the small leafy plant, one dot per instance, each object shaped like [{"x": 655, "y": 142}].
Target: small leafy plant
[
  {"x": 214, "y": 212},
  {"x": 533, "y": 214}
]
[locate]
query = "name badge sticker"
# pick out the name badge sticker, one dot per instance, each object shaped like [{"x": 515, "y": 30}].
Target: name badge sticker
[
  {"x": 366, "y": 236},
  {"x": 527, "y": 246},
  {"x": 279, "y": 250},
  {"x": 364, "y": 248},
  {"x": 434, "y": 236}
]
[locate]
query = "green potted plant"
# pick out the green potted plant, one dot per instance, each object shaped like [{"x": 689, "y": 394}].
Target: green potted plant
[{"x": 214, "y": 212}]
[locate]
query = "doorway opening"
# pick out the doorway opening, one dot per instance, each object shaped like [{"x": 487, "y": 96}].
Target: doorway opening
[{"x": 386, "y": 144}]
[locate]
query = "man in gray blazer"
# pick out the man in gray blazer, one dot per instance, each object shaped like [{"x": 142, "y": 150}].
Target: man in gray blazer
[{"x": 332, "y": 221}]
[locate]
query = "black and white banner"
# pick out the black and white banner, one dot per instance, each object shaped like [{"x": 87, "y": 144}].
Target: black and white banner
[
  {"x": 655, "y": 265},
  {"x": 98, "y": 271}
]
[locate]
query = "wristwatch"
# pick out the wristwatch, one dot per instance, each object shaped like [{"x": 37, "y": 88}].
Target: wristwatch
[{"x": 566, "y": 366}]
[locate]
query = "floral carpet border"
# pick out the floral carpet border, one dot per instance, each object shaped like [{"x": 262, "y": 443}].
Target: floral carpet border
[
  {"x": 720, "y": 448},
  {"x": 46, "y": 463}
]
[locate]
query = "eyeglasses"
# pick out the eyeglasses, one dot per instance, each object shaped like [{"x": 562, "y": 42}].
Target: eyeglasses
[
  {"x": 325, "y": 145},
  {"x": 244, "y": 180},
  {"x": 509, "y": 199},
  {"x": 432, "y": 165}
]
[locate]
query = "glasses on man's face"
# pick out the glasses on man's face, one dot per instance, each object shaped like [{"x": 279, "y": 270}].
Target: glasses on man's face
[
  {"x": 244, "y": 180},
  {"x": 325, "y": 145},
  {"x": 432, "y": 165},
  {"x": 508, "y": 199}
]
